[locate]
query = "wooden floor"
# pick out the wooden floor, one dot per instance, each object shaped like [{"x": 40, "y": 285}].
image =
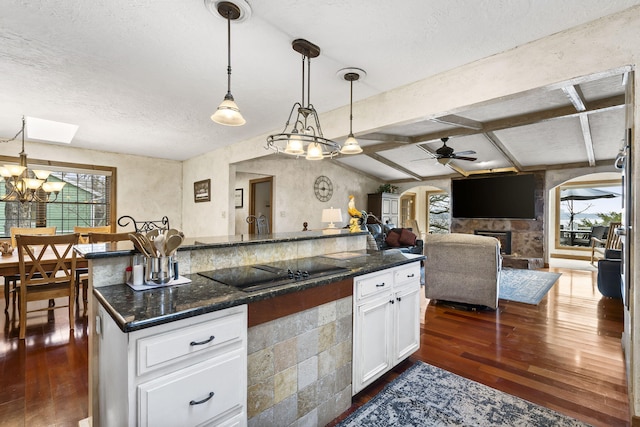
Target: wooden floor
[
  {"x": 43, "y": 379},
  {"x": 564, "y": 354}
]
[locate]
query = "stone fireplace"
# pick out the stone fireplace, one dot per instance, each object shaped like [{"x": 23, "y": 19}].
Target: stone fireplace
[{"x": 503, "y": 236}]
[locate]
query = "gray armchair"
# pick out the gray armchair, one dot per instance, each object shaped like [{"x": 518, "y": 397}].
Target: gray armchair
[{"x": 463, "y": 268}]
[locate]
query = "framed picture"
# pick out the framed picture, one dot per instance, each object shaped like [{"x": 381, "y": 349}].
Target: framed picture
[
  {"x": 238, "y": 197},
  {"x": 202, "y": 191}
]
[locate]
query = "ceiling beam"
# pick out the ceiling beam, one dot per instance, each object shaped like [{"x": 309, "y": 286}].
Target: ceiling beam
[
  {"x": 495, "y": 141},
  {"x": 395, "y": 166},
  {"x": 598, "y": 105},
  {"x": 384, "y": 137},
  {"x": 574, "y": 93},
  {"x": 588, "y": 141},
  {"x": 455, "y": 120}
]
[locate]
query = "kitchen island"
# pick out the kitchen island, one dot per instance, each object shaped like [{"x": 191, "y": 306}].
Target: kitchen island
[{"x": 296, "y": 338}]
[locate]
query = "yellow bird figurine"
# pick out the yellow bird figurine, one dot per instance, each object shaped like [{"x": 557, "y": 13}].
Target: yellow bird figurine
[{"x": 355, "y": 213}]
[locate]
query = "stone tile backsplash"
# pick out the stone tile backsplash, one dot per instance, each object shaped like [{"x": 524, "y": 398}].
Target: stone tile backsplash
[{"x": 299, "y": 367}]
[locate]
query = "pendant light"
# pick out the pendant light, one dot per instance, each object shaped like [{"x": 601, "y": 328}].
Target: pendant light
[
  {"x": 302, "y": 133},
  {"x": 228, "y": 112},
  {"x": 351, "y": 145}
]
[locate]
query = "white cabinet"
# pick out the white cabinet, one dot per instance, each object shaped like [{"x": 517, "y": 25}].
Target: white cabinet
[
  {"x": 386, "y": 325},
  {"x": 188, "y": 372},
  {"x": 385, "y": 206}
]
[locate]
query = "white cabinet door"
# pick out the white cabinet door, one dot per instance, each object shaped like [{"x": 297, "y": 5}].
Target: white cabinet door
[
  {"x": 386, "y": 323},
  {"x": 407, "y": 322},
  {"x": 372, "y": 336}
]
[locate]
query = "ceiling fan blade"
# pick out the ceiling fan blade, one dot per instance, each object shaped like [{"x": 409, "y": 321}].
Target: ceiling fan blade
[
  {"x": 471, "y": 159},
  {"x": 420, "y": 160},
  {"x": 465, "y": 153}
]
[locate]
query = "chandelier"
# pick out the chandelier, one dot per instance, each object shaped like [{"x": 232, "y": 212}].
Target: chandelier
[
  {"x": 302, "y": 133},
  {"x": 28, "y": 185}
]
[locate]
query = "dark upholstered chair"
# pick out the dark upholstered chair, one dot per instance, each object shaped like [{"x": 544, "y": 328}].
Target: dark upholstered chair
[
  {"x": 609, "y": 270},
  {"x": 381, "y": 232}
]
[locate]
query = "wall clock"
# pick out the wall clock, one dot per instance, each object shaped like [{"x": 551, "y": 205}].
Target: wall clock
[{"x": 323, "y": 188}]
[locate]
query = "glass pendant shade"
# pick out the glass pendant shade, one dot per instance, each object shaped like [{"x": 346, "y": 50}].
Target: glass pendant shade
[
  {"x": 41, "y": 174},
  {"x": 314, "y": 151},
  {"x": 15, "y": 170},
  {"x": 295, "y": 146},
  {"x": 228, "y": 113},
  {"x": 351, "y": 146},
  {"x": 53, "y": 187}
]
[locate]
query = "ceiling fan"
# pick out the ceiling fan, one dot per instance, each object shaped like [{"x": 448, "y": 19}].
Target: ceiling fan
[{"x": 446, "y": 153}]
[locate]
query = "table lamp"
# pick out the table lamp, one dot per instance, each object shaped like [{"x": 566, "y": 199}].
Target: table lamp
[{"x": 330, "y": 215}]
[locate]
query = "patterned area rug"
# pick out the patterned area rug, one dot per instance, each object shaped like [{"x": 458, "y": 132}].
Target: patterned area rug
[
  {"x": 527, "y": 286},
  {"x": 425, "y": 395}
]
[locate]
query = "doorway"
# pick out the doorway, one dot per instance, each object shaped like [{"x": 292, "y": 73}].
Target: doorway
[
  {"x": 407, "y": 209},
  {"x": 261, "y": 200}
]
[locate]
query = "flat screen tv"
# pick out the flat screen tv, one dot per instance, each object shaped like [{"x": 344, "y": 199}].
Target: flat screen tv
[{"x": 505, "y": 197}]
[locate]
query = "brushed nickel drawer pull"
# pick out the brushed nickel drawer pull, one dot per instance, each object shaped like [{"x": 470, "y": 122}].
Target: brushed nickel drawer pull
[
  {"x": 199, "y": 402},
  {"x": 211, "y": 338}
]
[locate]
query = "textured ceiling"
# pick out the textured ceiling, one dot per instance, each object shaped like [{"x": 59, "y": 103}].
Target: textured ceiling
[{"x": 143, "y": 76}]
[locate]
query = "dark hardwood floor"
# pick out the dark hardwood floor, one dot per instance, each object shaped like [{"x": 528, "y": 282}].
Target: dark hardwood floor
[
  {"x": 44, "y": 378},
  {"x": 564, "y": 354}
]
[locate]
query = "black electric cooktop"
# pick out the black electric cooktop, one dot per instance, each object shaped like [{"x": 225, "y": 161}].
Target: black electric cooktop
[{"x": 262, "y": 276}]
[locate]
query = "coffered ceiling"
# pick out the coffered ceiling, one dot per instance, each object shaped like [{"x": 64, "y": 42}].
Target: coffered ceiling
[
  {"x": 577, "y": 124},
  {"x": 143, "y": 76}
]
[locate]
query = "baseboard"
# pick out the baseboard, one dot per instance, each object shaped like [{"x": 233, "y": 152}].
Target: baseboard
[
  {"x": 567, "y": 256},
  {"x": 85, "y": 422},
  {"x": 635, "y": 421}
]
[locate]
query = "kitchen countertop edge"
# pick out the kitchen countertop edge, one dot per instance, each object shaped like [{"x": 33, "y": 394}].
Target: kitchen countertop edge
[{"x": 117, "y": 299}]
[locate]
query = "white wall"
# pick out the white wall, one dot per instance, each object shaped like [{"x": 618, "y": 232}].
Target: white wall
[
  {"x": 147, "y": 189},
  {"x": 294, "y": 200}
]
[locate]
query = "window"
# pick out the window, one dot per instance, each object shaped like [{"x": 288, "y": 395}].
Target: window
[
  {"x": 585, "y": 210},
  {"x": 86, "y": 200},
  {"x": 438, "y": 212}
]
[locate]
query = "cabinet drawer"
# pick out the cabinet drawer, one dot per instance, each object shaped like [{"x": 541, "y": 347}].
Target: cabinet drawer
[
  {"x": 407, "y": 273},
  {"x": 371, "y": 284},
  {"x": 207, "y": 392},
  {"x": 169, "y": 347}
]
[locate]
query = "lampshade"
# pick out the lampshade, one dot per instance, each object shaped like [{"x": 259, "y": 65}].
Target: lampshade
[
  {"x": 351, "y": 146},
  {"x": 228, "y": 113},
  {"x": 314, "y": 151},
  {"x": 330, "y": 215}
]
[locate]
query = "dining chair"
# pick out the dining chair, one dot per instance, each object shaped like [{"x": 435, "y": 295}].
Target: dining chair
[
  {"x": 10, "y": 282},
  {"x": 84, "y": 232},
  {"x": 82, "y": 274},
  {"x": 259, "y": 222},
  {"x": 45, "y": 277},
  {"x": 612, "y": 241}
]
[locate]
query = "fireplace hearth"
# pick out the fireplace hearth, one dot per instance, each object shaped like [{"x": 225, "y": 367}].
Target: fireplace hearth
[{"x": 503, "y": 236}]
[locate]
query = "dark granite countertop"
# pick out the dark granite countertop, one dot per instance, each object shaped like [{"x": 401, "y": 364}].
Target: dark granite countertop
[
  {"x": 134, "y": 310},
  {"x": 107, "y": 250}
]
